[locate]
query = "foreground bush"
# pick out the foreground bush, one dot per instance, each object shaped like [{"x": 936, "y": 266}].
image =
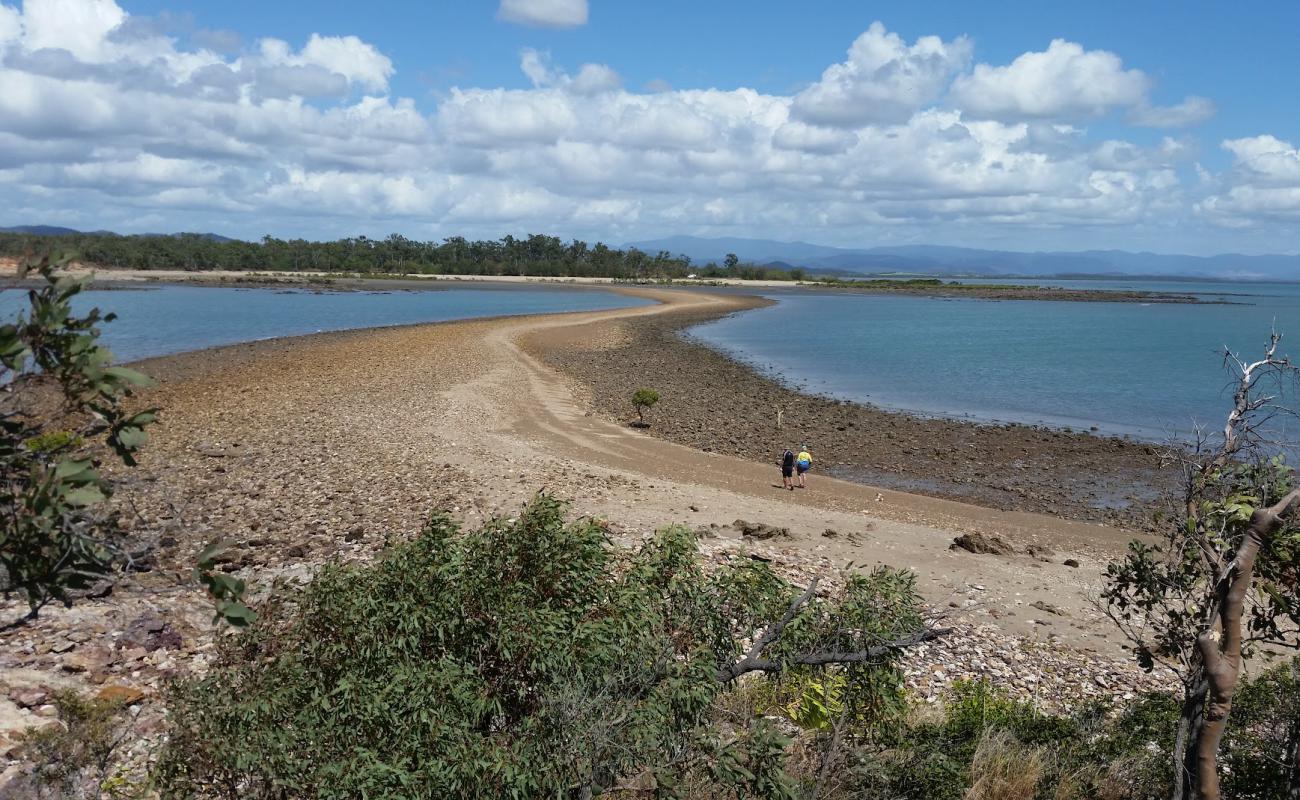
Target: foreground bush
[
  {"x": 62, "y": 412},
  {"x": 982, "y": 744},
  {"x": 526, "y": 659}
]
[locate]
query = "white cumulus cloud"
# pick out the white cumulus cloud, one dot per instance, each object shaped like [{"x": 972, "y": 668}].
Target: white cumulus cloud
[
  {"x": 884, "y": 79},
  {"x": 1064, "y": 81},
  {"x": 347, "y": 56},
  {"x": 1263, "y": 185},
  {"x": 114, "y": 122}
]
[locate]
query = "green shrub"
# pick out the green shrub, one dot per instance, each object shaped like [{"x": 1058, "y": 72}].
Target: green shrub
[
  {"x": 52, "y": 442},
  {"x": 643, "y": 400},
  {"x": 526, "y": 659},
  {"x": 59, "y": 536},
  {"x": 966, "y": 745},
  {"x": 1261, "y": 750},
  {"x": 77, "y": 754}
]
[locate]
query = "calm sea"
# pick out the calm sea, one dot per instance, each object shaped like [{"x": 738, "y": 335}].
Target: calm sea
[
  {"x": 174, "y": 319},
  {"x": 1146, "y": 370}
]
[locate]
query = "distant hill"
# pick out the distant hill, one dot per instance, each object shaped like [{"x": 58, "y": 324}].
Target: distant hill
[
  {"x": 55, "y": 230},
  {"x": 44, "y": 230},
  {"x": 941, "y": 260}
]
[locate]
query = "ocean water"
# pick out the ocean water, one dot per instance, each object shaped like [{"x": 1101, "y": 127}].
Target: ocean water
[
  {"x": 173, "y": 319},
  {"x": 1150, "y": 371}
]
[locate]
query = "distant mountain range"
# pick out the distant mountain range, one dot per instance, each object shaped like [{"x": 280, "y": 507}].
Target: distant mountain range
[
  {"x": 55, "y": 230},
  {"x": 939, "y": 260}
]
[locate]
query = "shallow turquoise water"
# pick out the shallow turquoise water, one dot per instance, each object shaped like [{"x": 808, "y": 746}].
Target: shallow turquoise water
[
  {"x": 1147, "y": 370},
  {"x": 173, "y": 319}
]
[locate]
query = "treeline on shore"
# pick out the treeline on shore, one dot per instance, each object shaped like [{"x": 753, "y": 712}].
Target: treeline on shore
[{"x": 534, "y": 255}]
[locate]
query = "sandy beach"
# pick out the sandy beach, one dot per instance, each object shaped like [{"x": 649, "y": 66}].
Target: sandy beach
[{"x": 301, "y": 450}]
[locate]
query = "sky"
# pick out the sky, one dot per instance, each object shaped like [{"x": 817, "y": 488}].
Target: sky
[{"x": 1162, "y": 126}]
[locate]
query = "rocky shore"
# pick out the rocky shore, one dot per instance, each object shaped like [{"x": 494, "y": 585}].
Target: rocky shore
[
  {"x": 935, "y": 287},
  {"x": 717, "y": 404}
]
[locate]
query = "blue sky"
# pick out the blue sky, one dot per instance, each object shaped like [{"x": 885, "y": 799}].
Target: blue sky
[{"x": 1163, "y": 126}]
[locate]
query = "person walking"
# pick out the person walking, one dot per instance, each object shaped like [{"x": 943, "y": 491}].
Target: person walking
[
  {"x": 786, "y": 463},
  {"x": 803, "y": 463}
]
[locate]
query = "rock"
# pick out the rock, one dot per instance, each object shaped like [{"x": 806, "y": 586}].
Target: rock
[
  {"x": 1070, "y": 562},
  {"x": 123, "y": 695},
  {"x": 131, "y": 654},
  {"x": 61, "y": 646},
  {"x": 29, "y": 697},
  {"x": 759, "y": 530},
  {"x": 99, "y": 589},
  {"x": 87, "y": 659},
  {"x": 1048, "y": 607},
  {"x": 166, "y": 639},
  {"x": 1039, "y": 552},
  {"x": 979, "y": 543},
  {"x": 295, "y": 551},
  {"x": 10, "y": 776}
]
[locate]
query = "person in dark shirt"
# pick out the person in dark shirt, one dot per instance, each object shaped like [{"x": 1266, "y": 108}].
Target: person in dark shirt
[{"x": 786, "y": 463}]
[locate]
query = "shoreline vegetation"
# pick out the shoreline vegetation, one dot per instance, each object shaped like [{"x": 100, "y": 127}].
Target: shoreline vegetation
[{"x": 341, "y": 263}]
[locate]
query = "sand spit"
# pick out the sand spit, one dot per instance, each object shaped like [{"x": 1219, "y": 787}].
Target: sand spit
[
  {"x": 301, "y": 450},
  {"x": 714, "y": 403}
]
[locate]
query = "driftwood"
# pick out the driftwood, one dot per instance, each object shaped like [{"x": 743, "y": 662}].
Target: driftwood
[{"x": 755, "y": 661}]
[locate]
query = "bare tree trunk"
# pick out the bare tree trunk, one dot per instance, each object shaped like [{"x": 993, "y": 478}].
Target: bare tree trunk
[
  {"x": 1221, "y": 654},
  {"x": 1190, "y": 722}
]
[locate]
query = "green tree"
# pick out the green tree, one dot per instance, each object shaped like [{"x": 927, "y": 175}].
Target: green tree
[
  {"x": 1223, "y": 578},
  {"x": 643, "y": 400},
  {"x": 528, "y": 658},
  {"x": 61, "y": 412}
]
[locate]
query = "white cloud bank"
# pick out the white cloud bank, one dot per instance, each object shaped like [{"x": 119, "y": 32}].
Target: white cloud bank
[
  {"x": 1264, "y": 184},
  {"x": 107, "y": 122}
]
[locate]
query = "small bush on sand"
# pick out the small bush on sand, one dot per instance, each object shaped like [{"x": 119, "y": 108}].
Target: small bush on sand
[
  {"x": 526, "y": 659},
  {"x": 643, "y": 400}
]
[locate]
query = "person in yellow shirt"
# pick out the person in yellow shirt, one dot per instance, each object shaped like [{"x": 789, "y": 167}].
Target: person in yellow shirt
[{"x": 803, "y": 463}]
